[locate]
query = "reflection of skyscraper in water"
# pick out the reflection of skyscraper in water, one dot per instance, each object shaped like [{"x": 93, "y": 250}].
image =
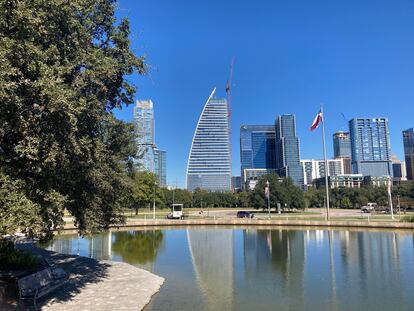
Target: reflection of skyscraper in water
[
  {"x": 62, "y": 245},
  {"x": 212, "y": 258},
  {"x": 100, "y": 246},
  {"x": 280, "y": 252}
]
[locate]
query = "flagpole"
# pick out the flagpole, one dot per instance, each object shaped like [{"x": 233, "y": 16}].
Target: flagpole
[{"x": 326, "y": 164}]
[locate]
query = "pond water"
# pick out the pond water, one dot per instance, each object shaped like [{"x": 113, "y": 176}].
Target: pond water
[{"x": 264, "y": 269}]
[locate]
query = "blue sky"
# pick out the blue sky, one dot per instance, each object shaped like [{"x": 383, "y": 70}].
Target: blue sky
[{"x": 357, "y": 57}]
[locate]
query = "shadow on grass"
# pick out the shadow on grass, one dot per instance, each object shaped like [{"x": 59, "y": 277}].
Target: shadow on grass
[{"x": 82, "y": 271}]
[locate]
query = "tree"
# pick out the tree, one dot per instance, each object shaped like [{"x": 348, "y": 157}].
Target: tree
[
  {"x": 282, "y": 190},
  {"x": 62, "y": 71},
  {"x": 144, "y": 190}
]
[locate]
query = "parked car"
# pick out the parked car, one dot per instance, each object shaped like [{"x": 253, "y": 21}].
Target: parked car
[
  {"x": 370, "y": 207},
  {"x": 244, "y": 214}
]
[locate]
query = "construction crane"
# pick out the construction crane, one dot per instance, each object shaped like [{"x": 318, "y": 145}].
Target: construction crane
[
  {"x": 228, "y": 87},
  {"x": 228, "y": 92}
]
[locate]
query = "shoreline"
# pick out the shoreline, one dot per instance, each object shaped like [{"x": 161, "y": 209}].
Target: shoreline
[
  {"x": 97, "y": 284},
  {"x": 259, "y": 222}
]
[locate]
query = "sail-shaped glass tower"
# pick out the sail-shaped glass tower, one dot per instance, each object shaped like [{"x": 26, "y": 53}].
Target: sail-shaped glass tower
[{"x": 209, "y": 165}]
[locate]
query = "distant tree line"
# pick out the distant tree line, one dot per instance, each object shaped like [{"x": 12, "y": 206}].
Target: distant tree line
[{"x": 282, "y": 190}]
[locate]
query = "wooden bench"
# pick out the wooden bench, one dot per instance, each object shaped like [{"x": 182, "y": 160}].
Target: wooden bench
[{"x": 41, "y": 283}]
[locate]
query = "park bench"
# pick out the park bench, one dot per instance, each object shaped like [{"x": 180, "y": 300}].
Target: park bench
[{"x": 41, "y": 283}]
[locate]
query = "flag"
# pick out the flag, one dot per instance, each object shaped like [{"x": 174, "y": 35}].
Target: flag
[{"x": 318, "y": 119}]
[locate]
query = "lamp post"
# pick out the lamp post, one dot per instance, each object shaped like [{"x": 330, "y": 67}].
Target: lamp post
[
  {"x": 153, "y": 206},
  {"x": 390, "y": 197},
  {"x": 267, "y": 195}
]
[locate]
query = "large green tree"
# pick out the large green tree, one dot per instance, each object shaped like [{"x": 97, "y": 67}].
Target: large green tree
[{"x": 62, "y": 71}]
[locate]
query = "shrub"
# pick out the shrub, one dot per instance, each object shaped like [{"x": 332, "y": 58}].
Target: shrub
[
  {"x": 408, "y": 218},
  {"x": 13, "y": 259}
]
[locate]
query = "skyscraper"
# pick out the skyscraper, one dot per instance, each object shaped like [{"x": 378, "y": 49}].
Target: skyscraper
[
  {"x": 144, "y": 124},
  {"x": 287, "y": 149},
  {"x": 160, "y": 166},
  {"x": 257, "y": 147},
  {"x": 408, "y": 137},
  {"x": 342, "y": 144},
  {"x": 342, "y": 150},
  {"x": 209, "y": 165},
  {"x": 370, "y": 145}
]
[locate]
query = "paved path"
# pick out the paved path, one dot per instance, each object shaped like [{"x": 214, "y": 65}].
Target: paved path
[{"x": 98, "y": 285}]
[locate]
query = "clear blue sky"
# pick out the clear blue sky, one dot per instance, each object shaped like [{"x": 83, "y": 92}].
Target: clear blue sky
[{"x": 355, "y": 56}]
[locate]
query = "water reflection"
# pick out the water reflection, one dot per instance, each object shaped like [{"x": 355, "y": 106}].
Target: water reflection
[
  {"x": 138, "y": 247},
  {"x": 263, "y": 269}
]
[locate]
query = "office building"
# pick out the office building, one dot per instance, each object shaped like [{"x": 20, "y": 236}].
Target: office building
[
  {"x": 236, "y": 182},
  {"x": 257, "y": 147},
  {"x": 340, "y": 181},
  {"x": 144, "y": 124},
  {"x": 398, "y": 169},
  {"x": 252, "y": 175},
  {"x": 342, "y": 150},
  {"x": 314, "y": 169},
  {"x": 370, "y": 146},
  {"x": 160, "y": 166},
  {"x": 408, "y": 138},
  {"x": 209, "y": 162},
  {"x": 341, "y": 144},
  {"x": 288, "y": 150}
]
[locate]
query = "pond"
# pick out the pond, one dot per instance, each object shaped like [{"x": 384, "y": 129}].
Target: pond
[{"x": 249, "y": 268}]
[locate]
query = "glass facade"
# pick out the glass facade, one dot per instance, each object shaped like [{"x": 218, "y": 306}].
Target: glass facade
[
  {"x": 287, "y": 149},
  {"x": 370, "y": 146},
  {"x": 257, "y": 147},
  {"x": 209, "y": 165},
  {"x": 408, "y": 137},
  {"x": 160, "y": 166},
  {"x": 144, "y": 124},
  {"x": 342, "y": 145}
]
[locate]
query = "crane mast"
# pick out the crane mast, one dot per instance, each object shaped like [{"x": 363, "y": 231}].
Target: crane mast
[{"x": 228, "y": 92}]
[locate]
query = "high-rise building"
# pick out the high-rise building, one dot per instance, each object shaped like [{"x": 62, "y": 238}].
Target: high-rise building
[
  {"x": 408, "y": 137},
  {"x": 342, "y": 144},
  {"x": 342, "y": 150},
  {"x": 398, "y": 169},
  {"x": 288, "y": 150},
  {"x": 236, "y": 183},
  {"x": 209, "y": 162},
  {"x": 314, "y": 169},
  {"x": 370, "y": 146},
  {"x": 257, "y": 147},
  {"x": 160, "y": 166},
  {"x": 144, "y": 124}
]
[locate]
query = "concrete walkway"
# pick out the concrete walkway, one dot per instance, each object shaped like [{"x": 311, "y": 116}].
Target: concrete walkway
[{"x": 98, "y": 285}]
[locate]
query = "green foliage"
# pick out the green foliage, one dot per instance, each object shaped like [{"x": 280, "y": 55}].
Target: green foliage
[
  {"x": 12, "y": 259},
  {"x": 282, "y": 190},
  {"x": 62, "y": 71},
  {"x": 143, "y": 191},
  {"x": 17, "y": 211},
  {"x": 407, "y": 218}
]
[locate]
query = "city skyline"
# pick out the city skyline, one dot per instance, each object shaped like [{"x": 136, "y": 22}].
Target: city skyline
[{"x": 358, "y": 69}]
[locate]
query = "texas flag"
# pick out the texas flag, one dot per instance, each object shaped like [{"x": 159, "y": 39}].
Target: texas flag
[{"x": 318, "y": 119}]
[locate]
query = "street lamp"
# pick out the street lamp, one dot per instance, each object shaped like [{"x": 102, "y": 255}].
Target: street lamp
[
  {"x": 153, "y": 206},
  {"x": 389, "y": 184},
  {"x": 267, "y": 195}
]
